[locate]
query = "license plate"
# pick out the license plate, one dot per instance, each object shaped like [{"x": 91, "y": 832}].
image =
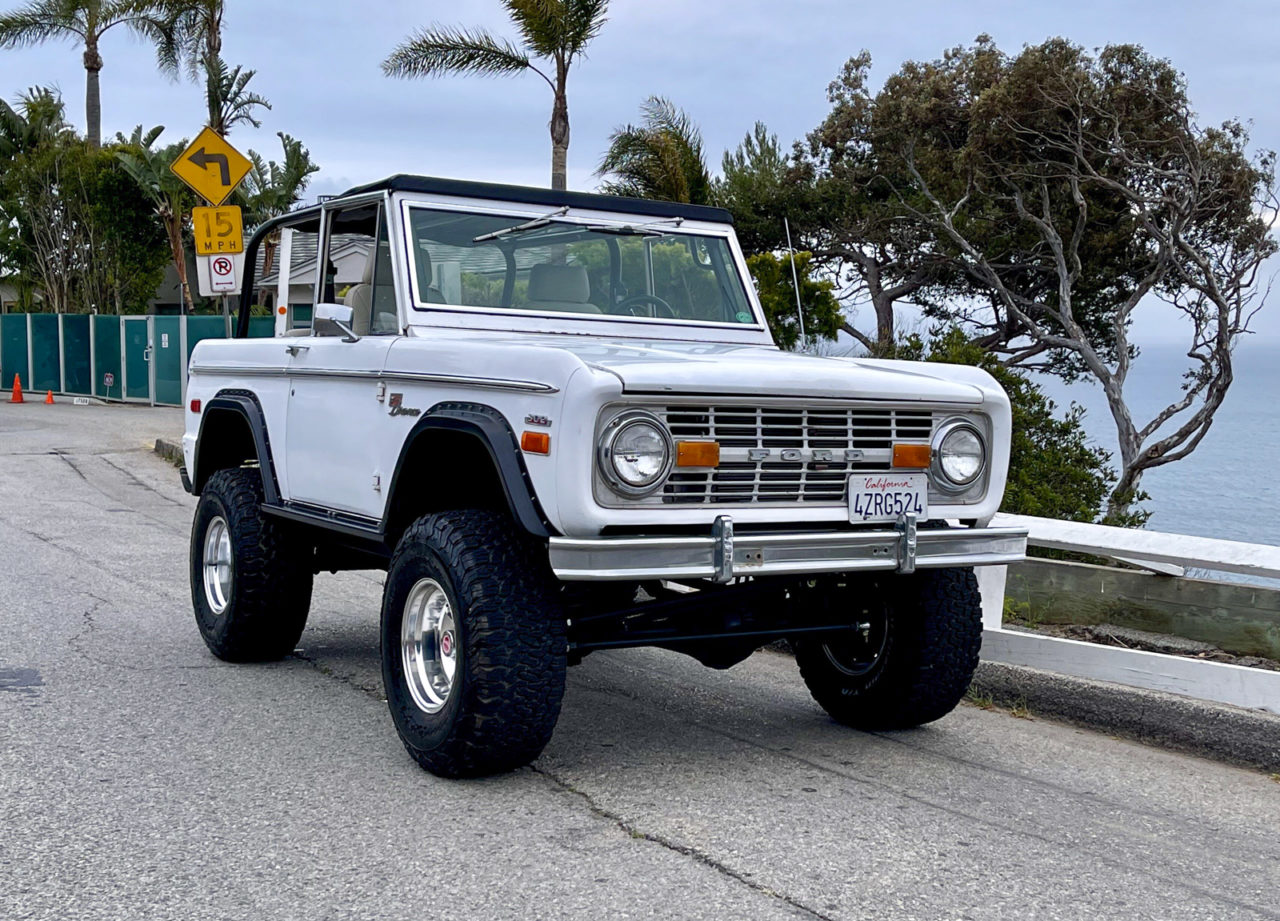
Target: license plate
[{"x": 888, "y": 496}]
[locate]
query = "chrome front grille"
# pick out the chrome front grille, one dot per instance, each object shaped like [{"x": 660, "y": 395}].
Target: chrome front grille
[{"x": 783, "y": 455}]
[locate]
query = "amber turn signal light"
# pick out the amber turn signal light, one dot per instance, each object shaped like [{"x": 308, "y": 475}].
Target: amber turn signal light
[
  {"x": 912, "y": 456},
  {"x": 535, "y": 443},
  {"x": 697, "y": 454}
]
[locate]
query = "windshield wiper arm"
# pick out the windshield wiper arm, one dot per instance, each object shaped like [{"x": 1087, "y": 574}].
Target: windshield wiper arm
[{"x": 527, "y": 225}]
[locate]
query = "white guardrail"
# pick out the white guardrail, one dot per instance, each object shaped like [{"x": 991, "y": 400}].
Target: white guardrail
[{"x": 1163, "y": 553}]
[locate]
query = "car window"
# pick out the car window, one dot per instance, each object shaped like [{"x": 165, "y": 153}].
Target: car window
[
  {"x": 356, "y": 269},
  {"x": 648, "y": 271}
]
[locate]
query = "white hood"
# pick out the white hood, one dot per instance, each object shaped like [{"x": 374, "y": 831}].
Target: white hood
[{"x": 693, "y": 367}]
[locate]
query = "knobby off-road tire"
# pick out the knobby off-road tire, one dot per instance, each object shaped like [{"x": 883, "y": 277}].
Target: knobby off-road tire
[
  {"x": 253, "y": 607},
  {"x": 925, "y": 662},
  {"x": 473, "y": 644}
]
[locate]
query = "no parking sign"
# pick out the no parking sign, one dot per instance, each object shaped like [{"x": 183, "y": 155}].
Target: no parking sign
[{"x": 219, "y": 274}]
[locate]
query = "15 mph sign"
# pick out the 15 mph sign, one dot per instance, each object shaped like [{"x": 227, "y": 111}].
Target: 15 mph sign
[
  {"x": 211, "y": 166},
  {"x": 217, "y": 230}
]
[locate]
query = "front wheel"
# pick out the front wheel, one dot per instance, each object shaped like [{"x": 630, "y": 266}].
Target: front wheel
[
  {"x": 910, "y": 655},
  {"x": 474, "y": 647}
]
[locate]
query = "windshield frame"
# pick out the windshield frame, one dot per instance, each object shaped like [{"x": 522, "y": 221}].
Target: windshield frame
[{"x": 595, "y": 324}]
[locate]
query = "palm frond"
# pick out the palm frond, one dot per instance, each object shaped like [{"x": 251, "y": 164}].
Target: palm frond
[
  {"x": 540, "y": 22},
  {"x": 38, "y": 22},
  {"x": 583, "y": 22},
  {"x": 230, "y": 102},
  {"x": 441, "y": 50},
  {"x": 660, "y": 159},
  {"x": 557, "y": 27}
]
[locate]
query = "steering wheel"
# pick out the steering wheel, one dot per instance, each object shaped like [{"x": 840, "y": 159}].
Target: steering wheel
[{"x": 658, "y": 303}]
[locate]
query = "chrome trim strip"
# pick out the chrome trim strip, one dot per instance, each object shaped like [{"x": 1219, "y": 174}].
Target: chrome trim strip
[
  {"x": 488, "y": 383},
  {"x": 771, "y": 554}
]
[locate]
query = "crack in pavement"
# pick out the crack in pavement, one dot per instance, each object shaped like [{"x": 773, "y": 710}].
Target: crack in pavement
[
  {"x": 970, "y": 817},
  {"x": 106, "y": 459},
  {"x": 89, "y": 624},
  {"x": 328, "y": 672},
  {"x": 684, "y": 850},
  {"x": 167, "y": 525}
]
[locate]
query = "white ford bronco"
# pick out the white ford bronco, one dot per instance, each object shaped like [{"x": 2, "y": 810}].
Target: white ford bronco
[{"x": 559, "y": 423}]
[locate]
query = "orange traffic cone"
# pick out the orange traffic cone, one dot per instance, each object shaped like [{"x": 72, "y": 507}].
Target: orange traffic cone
[
  {"x": 17, "y": 390},
  {"x": 49, "y": 398}
]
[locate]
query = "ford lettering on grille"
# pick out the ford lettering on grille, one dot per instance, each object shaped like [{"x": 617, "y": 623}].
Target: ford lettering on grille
[{"x": 780, "y": 455}]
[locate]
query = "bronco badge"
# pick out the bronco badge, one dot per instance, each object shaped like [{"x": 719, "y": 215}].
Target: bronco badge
[{"x": 396, "y": 402}]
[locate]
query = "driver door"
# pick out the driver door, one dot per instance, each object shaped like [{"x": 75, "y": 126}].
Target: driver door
[{"x": 334, "y": 428}]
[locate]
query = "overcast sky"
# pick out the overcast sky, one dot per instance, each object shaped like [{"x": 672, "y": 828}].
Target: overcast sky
[{"x": 728, "y": 63}]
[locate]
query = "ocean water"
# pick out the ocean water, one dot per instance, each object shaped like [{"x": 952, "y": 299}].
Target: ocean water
[{"x": 1229, "y": 487}]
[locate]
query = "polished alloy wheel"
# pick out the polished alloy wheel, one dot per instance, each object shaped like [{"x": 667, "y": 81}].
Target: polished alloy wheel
[
  {"x": 429, "y": 645},
  {"x": 217, "y": 565},
  {"x": 860, "y": 650}
]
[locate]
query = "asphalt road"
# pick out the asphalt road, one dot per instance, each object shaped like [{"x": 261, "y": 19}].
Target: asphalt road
[{"x": 141, "y": 778}]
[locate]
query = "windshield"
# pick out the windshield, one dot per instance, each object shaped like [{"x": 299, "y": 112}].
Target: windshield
[{"x": 647, "y": 270}]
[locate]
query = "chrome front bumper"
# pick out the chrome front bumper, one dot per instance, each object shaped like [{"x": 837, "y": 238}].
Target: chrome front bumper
[{"x": 722, "y": 556}]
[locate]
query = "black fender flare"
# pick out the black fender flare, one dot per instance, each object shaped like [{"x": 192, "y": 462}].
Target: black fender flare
[
  {"x": 491, "y": 428},
  {"x": 245, "y": 404}
]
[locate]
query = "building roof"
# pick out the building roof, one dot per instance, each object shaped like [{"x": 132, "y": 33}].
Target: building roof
[{"x": 552, "y": 198}]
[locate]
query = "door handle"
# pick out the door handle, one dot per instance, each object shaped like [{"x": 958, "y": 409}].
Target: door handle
[
  {"x": 295, "y": 349},
  {"x": 146, "y": 354}
]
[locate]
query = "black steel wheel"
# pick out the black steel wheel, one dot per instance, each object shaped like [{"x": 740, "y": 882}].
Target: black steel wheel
[{"x": 910, "y": 655}]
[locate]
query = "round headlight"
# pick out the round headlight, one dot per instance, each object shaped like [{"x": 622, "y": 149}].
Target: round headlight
[
  {"x": 636, "y": 453},
  {"x": 961, "y": 455}
]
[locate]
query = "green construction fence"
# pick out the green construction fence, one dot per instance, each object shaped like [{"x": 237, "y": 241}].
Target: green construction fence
[{"x": 136, "y": 359}]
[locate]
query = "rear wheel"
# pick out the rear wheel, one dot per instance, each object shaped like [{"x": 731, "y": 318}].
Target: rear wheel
[
  {"x": 473, "y": 644},
  {"x": 250, "y": 585},
  {"x": 909, "y": 657}
]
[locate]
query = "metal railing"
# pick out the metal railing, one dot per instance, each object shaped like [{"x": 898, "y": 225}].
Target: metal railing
[{"x": 1167, "y": 554}]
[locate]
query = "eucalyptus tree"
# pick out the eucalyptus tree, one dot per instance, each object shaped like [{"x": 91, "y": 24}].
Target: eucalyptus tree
[
  {"x": 554, "y": 32},
  {"x": 85, "y": 22},
  {"x": 1069, "y": 188}
]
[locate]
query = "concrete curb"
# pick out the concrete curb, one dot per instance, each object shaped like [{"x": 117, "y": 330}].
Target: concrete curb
[
  {"x": 1250, "y": 738},
  {"x": 169, "y": 450}
]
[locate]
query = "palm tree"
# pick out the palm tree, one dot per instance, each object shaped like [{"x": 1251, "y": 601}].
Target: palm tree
[
  {"x": 661, "y": 158},
  {"x": 271, "y": 189},
  {"x": 196, "y": 27},
  {"x": 85, "y": 22},
  {"x": 230, "y": 102},
  {"x": 170, "y": 197},
  {"x": 555, "y": 30},
  {"x": 39, "y": 117}
]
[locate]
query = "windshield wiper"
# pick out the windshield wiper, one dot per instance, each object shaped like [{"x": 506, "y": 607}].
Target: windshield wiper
[
  {"x": 627, "y": 230},
  {"x": 527, "y": 225}
]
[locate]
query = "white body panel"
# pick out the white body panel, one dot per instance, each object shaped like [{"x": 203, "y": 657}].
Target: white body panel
[{"x": 336, "y": 444}]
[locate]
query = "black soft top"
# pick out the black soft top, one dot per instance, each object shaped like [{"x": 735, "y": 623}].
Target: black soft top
[{"x": 549, "y": 197}]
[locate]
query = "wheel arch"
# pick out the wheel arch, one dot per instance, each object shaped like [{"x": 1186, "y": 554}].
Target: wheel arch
[
  {"x": 233, "y": 431},
  {"x": 473, "y": 445}
]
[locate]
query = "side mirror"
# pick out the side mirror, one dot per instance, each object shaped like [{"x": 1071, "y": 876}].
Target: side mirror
[{"x": 335, "y": 316}]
